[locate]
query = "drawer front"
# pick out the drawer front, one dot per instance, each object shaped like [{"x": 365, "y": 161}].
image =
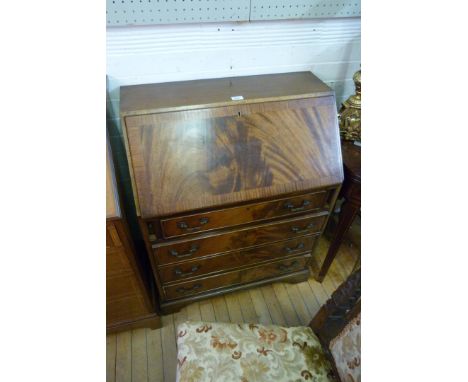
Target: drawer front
[
  {"x": 232, "y": 278},
  {"x": 243, "y": 238},
  {"x": 228, "y": 217},
  {"x": 232, "y": 260}
]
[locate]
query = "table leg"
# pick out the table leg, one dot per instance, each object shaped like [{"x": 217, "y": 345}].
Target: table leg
[{"x": 347, "y": 214}]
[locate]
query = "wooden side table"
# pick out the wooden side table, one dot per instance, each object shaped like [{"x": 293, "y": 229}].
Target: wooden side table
[{"x": 351, "y": 191}]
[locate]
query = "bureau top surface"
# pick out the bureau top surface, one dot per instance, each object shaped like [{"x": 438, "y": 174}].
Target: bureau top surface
[
  {"x": 150, "y": 98},
  {"x": 190, "y": 160}
]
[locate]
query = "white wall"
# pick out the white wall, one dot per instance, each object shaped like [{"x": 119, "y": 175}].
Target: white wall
[{"x": 330, "y": 48}]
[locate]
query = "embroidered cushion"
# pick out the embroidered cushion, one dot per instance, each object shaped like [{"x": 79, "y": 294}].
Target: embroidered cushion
[
  {"x": 248, "y": 353},
  {"x": 346, "y": 351}
]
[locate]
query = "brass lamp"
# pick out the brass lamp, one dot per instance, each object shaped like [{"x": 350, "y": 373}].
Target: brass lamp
[{"x": 350, "y": 113}]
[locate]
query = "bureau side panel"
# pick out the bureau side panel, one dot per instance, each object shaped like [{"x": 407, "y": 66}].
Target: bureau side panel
[{"x": 127, "y": 300}]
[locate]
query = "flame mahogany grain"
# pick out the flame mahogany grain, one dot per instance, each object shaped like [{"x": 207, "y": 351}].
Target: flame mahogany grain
[{"x": 221, "y": 186}]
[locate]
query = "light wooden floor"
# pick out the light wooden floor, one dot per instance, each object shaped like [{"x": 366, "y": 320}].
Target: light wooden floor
[{"x": 150, "y": 355}]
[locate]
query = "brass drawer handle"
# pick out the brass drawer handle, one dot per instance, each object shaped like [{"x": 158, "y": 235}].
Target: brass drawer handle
[
  {"x": 187, "y": 290},
  {"x": 285, "y": 268},
  {"x": 193, "y": 249},
  {"x": 185, "y": 226},
  {"x": 292, "y": 208},
  {"x": 291, "y": 250},
  {"x": 179, "y": 272},
  {"x": 296, "y": 229}
]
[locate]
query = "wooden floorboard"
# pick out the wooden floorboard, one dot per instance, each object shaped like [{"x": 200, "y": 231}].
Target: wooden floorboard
[
  {"x": 298, "y": 304},
  {"x": 220, "y": 309},
  {"x": 318, "y": 290},
  {"x": 151, "y": 355},
  {"x": 260, "y": 306},
  {"x": 285, "y": 304},
  {"x": 341, "y": 269},
  {"x": 123, "y": 358},
  {"x": 207, "y": 311},
  {"x": 248, "y": 312},
  {"x": 234, "y": 308},
  {"x": 347, "y": 258},
  {"x": 111, "y": 351},
  {"x": 309, "y": 298},
  {"x": 139, "y": 356},
  {"x": 277, "y": 316},
  {"x": 168, "y": 339},
  {"x": 154, "y": 353},
  {"x": 180, "y": 317},
  {"x": 193, "y": 312}
]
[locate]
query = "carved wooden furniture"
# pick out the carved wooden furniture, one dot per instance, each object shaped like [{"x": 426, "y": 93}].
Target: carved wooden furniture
[
  {"x": 233, "y": 179},
  {"x": 337, "y": 325},
  {"x": 328, "y": 350},
  {"x": 127, "y": 302},
  {"x": 351, "y": 191}
]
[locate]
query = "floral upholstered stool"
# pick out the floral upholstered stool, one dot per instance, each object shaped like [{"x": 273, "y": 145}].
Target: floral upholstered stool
[
  {"x": 249, "y": 353},
  {"x": 328, "y": 349}
]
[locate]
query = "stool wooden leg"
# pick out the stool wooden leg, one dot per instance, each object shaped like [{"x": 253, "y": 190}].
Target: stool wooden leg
[{"x": 347, "y": 214}]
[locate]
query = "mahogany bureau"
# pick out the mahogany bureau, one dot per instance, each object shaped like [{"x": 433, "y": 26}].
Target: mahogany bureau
[
  {"x": 128, "y": 304},
  {"x": 233, "y": 179}
]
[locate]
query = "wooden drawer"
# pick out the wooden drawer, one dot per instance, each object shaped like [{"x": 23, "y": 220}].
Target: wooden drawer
[
  {"x": 261, "y": 254},
  {"x": 169, "y": 253},
  {"x": 236, "y": 277},
  {"x": 189, "y": 224}
]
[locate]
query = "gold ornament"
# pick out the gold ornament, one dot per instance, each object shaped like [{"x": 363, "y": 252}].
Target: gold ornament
[{"x": 350, "y": 113}]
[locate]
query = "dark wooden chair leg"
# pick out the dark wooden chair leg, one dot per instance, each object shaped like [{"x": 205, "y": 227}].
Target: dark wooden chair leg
[{"x": 347, "y": 215}]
